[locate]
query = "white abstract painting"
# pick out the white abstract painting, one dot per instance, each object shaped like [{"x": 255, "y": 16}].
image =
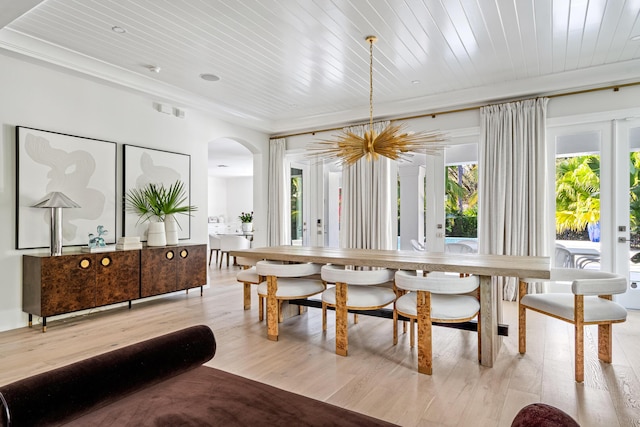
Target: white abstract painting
[
  {"x": 83, "y": 169},
  {"x": 145, "y": 165}
]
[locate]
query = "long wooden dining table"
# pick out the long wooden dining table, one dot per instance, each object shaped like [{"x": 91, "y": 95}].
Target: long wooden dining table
[{"x": 484, "y": 266}]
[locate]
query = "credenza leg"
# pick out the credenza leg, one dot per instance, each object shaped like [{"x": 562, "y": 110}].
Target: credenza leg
[
  {"x": 129, "y": 304},
  {"x": 44, "y": 325},
  {"x": 30, "y": 320}
]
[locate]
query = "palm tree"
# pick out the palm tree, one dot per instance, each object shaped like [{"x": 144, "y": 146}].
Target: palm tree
[{"x": 577, "y": 192}]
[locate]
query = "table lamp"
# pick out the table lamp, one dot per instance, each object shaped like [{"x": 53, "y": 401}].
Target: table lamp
[{"x": 56, "y": 201}]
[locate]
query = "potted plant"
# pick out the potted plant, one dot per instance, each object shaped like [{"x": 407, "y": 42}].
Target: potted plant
[
  {"x": 159, "y": 203},
  {"x": 247, "y": 221}
]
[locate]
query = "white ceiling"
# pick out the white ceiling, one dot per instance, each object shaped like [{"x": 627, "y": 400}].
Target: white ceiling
[{"x": 291, "y": 65}]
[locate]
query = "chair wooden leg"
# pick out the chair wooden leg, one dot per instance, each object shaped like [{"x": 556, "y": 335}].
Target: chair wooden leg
[
  {"x": 280, "y": 313},
  {"x": 424, "y": 333},
  {"x": 247, "y": 295},
  {"x": 395, "y": 325},
  {"x": 355, "y": 318},
  {"x": 260, "y": 308},
  {"x": 272, "y": 308},
  {"x": 211, "y": 256},
  {"x": 522, "y": 319},
  {"x": 605, "y": 342},
  {"x": 324, "y": 316},
  {"x": 579, "y": 337},
  {"x": 412, "y": 330},
  {"x": 342, "y": 342}
]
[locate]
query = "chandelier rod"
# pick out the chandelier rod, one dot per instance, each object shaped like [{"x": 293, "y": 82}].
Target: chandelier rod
[{"x": 371, "y": 40}]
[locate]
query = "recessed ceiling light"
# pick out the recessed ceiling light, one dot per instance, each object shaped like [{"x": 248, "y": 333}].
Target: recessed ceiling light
[
  {"x": 635, "y": 38},
  {"x": 415, "y": 82},
  {"x": 154, "y": 68},
  {"x": 118, "y": 30},
  {"x": 209, "y": 77},
  {"x": 223, "y": 166}
]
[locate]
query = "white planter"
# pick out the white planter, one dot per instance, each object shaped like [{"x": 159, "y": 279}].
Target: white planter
[
  {"x": 156, "y": 235},
  {"x": 247, "y": 226},
  {"x": 171, "y": 229}
]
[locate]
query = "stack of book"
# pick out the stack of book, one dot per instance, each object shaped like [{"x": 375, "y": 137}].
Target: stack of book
[
  {"x": 128, "y": 243},
  {"x": 107, "y": 248}
]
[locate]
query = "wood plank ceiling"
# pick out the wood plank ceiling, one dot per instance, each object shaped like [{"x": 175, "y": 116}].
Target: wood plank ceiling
[{"x": 286, "y": 65}]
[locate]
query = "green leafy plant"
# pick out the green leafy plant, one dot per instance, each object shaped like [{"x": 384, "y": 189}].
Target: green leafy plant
[
  {"x": 158, "y": 201},
  {"x": 246, "y": 217}
]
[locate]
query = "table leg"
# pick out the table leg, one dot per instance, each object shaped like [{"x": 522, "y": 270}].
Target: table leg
[
  {"x": 272, "y": 308},
  {"x": 342, "y": 342},
  {"x": 247, "y": 296},
  {"x": 490, "y": 317}
]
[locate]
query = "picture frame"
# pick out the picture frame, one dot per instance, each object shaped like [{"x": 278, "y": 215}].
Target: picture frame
[
  {"x": 147, "y": 165},
  {"x": 84, "y": 169}
]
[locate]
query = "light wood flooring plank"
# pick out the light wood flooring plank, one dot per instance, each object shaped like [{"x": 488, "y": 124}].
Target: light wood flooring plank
[{"x": 377, "y": 378}]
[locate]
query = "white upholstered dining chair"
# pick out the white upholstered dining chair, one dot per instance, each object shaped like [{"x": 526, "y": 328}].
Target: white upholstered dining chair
[
  {"x": 459, "y": 248},
  {"x": 434, "y": 298},
  {"x": 214, "y": 246},
  {"x": 354, "y": 290},
  {"x": 247, "y": 276},
  {"x": 284, "y": 282},
  {"x": 230, "y": 243},
  {"x": 589, "y": 303}
]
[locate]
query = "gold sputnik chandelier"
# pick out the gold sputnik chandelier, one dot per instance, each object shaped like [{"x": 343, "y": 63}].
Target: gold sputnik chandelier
[{"x": 392, "y": 142}]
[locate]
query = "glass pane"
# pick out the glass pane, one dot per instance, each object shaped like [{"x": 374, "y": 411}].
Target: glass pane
[
  {"x": 461, "y": 202},
  {"x": 578, "y": 201},
  {"x": 634, "y": 207},
  {"x": 296, "y": 206}
]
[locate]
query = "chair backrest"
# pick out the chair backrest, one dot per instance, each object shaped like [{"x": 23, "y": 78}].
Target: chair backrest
[
  {"x": 417, "y": 246},
  {"x": 278, "y": 269},
  {"x": 411, "y": 281},
  {"x": 214, "y": 241},
  {"x": 469, "y": 242},
  {"x": 230, "y": 243},
  {"x": 240, "y": 260},
  {"x": 591, "y": 282},
  {"x": 458, "y": 248},
  {"x": 562, "y": 258},
  {"x": 338, "y": 273}
]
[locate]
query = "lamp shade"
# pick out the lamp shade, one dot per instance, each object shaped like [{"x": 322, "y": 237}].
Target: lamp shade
[{"x": 56, "y": 199}]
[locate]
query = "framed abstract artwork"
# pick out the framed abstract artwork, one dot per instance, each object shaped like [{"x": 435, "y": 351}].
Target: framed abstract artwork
[
  {"x": 146, "y": 165},
  {"x": 83, "y": 169}
]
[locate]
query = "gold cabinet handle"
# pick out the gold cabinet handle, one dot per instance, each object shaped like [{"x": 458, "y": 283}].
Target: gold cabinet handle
[
  {"x": 184, "y": 253},
  {"x": 169, "y": 255},
  {"x": 106, "y": 261},
  {"x": 85, "y": 263}
]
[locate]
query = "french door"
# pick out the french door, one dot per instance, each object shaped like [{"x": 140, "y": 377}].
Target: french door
[{"x": 593, "y": 161}]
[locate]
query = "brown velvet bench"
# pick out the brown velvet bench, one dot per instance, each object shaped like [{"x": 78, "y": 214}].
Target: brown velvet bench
[{"x": 161, "y": 382}]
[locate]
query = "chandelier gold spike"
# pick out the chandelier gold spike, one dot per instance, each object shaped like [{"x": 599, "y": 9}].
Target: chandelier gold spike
[{"x": 392, "y": 142}]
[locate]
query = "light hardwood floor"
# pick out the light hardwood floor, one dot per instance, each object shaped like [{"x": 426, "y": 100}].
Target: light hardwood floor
[{"x": 377, "y": 378}]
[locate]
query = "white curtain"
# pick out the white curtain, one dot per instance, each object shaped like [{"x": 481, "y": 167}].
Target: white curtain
[
  {"x": 512, "y": 182},
  {"x": 368, "y": 200},
  {"x": 277, "y": 214}
]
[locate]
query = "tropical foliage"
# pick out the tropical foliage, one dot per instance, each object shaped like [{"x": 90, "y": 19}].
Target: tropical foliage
[
  {"x": 156, "y": 200},
  {"x": 461, "y": 204},
  {"x": 577, "y": 192}
]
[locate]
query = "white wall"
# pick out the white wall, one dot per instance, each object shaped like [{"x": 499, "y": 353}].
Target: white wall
[
  {"x": 239, "y": 197},
  {"x": 217, "y": 197},
  {"x": 43, "y": 97},
  {"x": 230, "y": 197}
]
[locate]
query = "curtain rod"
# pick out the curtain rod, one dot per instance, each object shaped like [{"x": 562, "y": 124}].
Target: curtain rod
[{"x": 615, "y": 88}]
